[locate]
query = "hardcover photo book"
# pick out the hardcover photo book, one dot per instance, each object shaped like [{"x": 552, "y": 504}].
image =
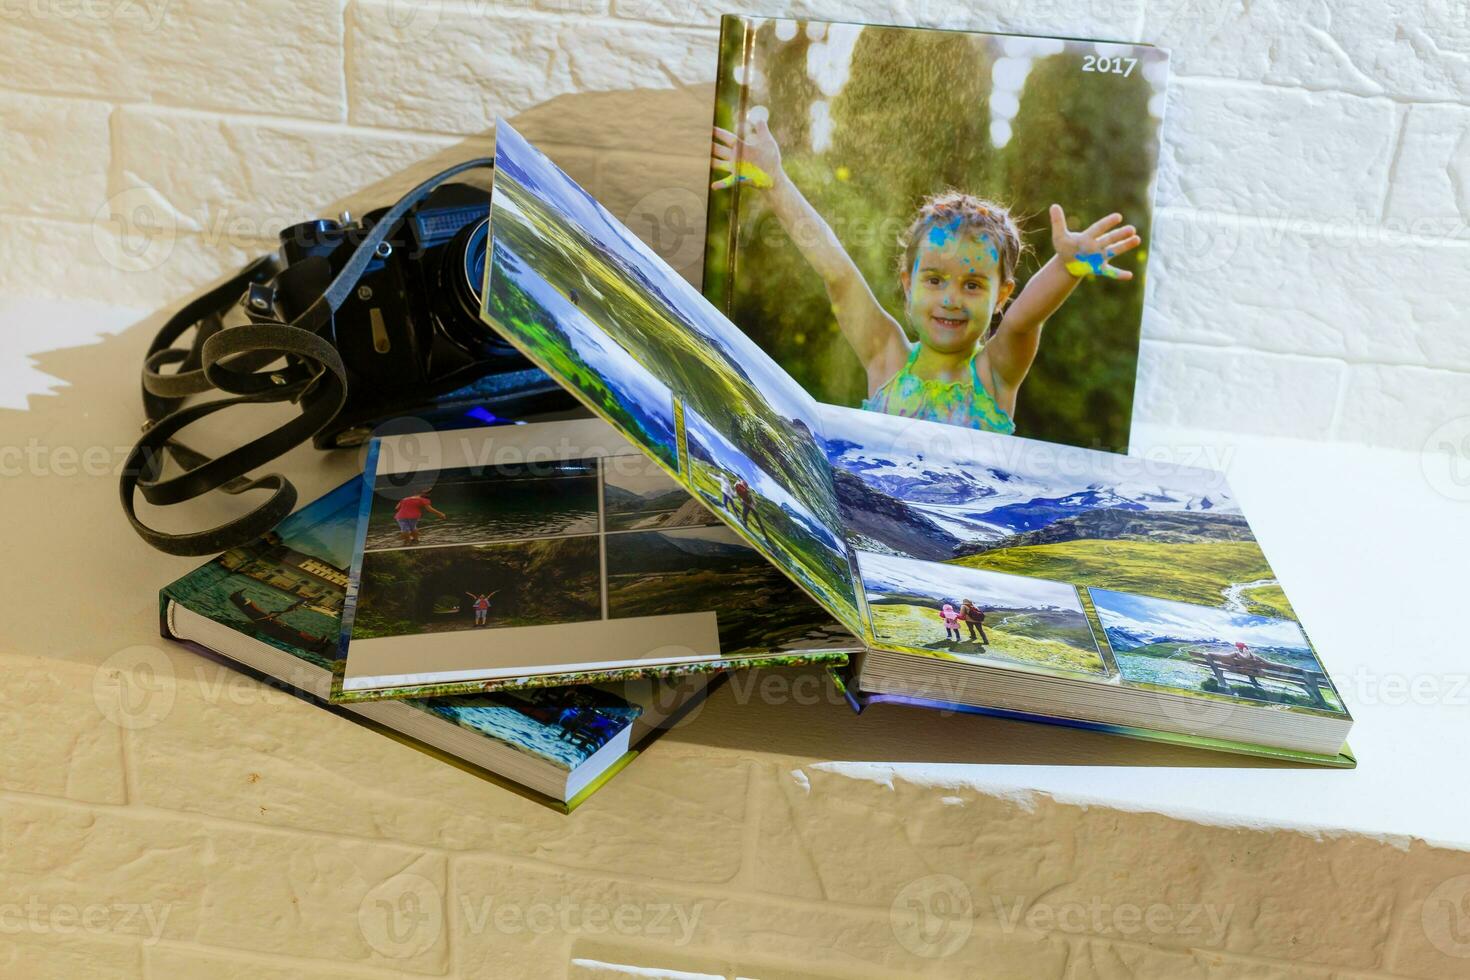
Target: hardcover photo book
[
  {"x": 553, "y": 553},
  {"x": 273, "y": 610},
  {"x": 978, "y": 569},
  {"x": 859, "y": 172}
]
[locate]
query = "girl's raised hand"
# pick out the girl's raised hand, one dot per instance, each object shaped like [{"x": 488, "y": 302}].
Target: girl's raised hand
[
  {"x": 756, "y": 160},
  {"x": 1090, "y": 252}
]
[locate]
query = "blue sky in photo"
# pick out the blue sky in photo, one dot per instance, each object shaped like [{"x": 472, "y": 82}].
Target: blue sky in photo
[
  {"x": 326, "y": 528},
  {"x": 1147, "y": 616},
  {"x": 887, "y": 574}
]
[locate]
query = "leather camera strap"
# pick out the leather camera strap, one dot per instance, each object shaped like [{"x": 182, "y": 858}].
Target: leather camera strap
[{"x": 236, "y": 360}]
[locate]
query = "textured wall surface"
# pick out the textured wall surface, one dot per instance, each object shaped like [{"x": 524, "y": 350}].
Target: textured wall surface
[
  {"x": 1313, "y": 230},
  {"x": 165, "y": 817}
]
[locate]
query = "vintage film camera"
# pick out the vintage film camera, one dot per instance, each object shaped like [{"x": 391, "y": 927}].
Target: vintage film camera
[{"x": 356, "y": 322}]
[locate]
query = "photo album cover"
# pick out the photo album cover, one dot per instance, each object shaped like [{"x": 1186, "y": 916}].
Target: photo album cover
[
  {"x": 553, "y": 553},
  {"x": 978, "y": 568},
  {"x": 895, "y": 212},
  {"x": 273, "y": 609}
]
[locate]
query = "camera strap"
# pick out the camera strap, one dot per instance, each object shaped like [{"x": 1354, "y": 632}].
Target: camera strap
[{"x": 236, "y": 360}]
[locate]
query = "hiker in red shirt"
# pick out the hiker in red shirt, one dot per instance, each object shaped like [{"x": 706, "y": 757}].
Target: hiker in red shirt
[
  {"x": 410, "y": 509},
  {"x": 747, "y": 502}
]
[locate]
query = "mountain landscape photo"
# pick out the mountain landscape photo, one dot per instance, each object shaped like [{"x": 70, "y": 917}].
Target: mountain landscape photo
[
  {"x": 1026, "y": 620},
  {"x": 777, "y": 521},
  {"x": 645, "y": 312},
  {"x": 1010, "y": 505},
  {"x": 639, "y": 495},
  {"x": 1162, "y": 643}
]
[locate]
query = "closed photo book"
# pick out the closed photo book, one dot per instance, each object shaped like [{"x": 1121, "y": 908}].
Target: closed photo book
[
  {"x": 978, "y": 569},
  {"x": 859, "y": 170},
  {"x": 553, "y": 553},
  {"x": 273, "y": 609}
]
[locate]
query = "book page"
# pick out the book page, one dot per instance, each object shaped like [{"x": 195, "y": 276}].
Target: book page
[
  {"x": 587, "y": 301},
  {"x": 287, "y": 590},
  {"x": 983, "y": 548}
]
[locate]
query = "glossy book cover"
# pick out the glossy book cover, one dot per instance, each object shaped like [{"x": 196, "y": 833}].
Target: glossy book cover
[
  {"x": 846, "y": 159},
  {"x": 288, "y": 590}
]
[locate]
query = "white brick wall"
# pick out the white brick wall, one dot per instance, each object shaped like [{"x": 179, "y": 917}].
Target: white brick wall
[
  {"x": 1313, "y": 233},
  {"x": 181, "y": 821}
]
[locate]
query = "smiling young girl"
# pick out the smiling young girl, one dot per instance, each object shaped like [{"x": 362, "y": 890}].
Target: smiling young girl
[{"x": 957, "y": 269}]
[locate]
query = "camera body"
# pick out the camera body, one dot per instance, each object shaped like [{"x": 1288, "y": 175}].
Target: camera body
[{"x": 409, "y": 333}]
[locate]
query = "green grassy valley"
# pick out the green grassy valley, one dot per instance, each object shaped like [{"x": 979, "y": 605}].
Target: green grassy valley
[
  {"x": 1027, "y": 636},
  {"x": 1189, "y": 572}
]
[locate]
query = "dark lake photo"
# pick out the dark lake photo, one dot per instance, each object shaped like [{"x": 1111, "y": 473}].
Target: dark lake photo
[{"x": 493, "y": 503}]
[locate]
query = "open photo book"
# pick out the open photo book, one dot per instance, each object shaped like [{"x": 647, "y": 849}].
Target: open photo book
[
  {"x": 552, "y": 553},
  {"x": 980, "y": 571}
]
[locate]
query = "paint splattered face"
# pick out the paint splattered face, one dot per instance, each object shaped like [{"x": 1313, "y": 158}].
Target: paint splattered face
[{"x": 953, "y": 287}]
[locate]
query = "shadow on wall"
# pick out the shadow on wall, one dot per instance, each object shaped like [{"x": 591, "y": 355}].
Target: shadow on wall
[
  {"x": 601, "y": 140},
  {"x": 59, "y": 459},
  {"x": 91, "y": 589}
]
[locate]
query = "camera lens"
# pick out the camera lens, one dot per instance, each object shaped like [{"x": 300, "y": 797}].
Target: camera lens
[
  {"x": 474, "y": 260},
  {"x": 461, "y": 279}
]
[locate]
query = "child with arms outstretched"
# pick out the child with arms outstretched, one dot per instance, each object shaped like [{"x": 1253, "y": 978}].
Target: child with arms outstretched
[
  {"x": 481, "y": 605},
  {"x": 957, "y": 269}
]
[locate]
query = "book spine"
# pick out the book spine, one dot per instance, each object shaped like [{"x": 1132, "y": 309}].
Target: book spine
[
  {"x": 165, "y": 622},
  {"x": 722, "y": 223},
  {"x": 844, "y": 678}
]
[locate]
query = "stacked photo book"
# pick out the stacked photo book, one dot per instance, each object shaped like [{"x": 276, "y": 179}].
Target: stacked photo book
[{"x": 856, "y": 448}]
